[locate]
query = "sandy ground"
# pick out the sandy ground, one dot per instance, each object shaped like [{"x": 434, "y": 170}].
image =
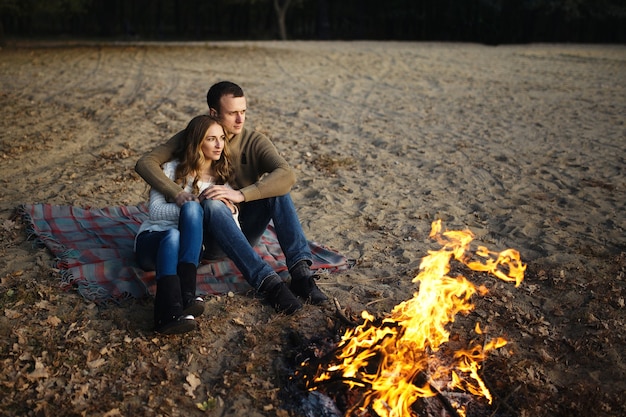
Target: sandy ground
[{"x": 523, "y": 145}]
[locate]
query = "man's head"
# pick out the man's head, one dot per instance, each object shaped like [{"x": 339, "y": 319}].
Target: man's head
[{"x": 227, "y": 103}]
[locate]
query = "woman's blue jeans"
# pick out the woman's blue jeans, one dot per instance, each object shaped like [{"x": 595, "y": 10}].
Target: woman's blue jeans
[
  {"x": 162, "y": 251},
  {"x": 222, "y": 237}
]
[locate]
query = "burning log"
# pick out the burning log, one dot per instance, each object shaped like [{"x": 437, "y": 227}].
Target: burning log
[
  {"x": 401, "y": 359},
  {"x": 421, "y": 377}
]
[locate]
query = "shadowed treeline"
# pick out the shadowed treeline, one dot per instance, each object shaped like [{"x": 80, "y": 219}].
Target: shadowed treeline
[{"x": 486, "y": 21}]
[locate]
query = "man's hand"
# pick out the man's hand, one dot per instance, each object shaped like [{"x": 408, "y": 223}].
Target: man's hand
[
  {"x": 221, "y": 192},
  {"x": 183, "y": 197}
]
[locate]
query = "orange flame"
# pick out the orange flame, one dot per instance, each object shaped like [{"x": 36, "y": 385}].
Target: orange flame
[{"x": 396, "y": 362}]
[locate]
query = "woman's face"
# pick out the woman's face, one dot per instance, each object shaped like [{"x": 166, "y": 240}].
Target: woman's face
[{"x": 213, "y": 143}]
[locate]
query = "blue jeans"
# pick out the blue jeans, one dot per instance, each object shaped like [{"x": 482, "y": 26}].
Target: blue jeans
[
  {"x": 162, "y": 251},
  {"x": 222, "y": 237}
]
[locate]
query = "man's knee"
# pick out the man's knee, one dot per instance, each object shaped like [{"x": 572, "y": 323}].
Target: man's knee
[{"x": 215, "y": 207}]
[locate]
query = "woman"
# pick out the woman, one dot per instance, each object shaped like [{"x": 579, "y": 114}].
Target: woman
[{"x": 170, "y": 241}]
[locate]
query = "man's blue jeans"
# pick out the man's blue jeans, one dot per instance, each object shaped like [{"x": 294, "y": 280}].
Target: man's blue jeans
[
  {"x": 222, "y": 237},
  {"x": 162, "y": 251}
]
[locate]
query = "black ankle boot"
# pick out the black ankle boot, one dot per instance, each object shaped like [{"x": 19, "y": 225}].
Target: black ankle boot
[
  {"x": 168, "y": 308},
  {"x": 303, "y": 283},
  {"x": 191, "y": 304},
  {"x": 277, "y": 294}
]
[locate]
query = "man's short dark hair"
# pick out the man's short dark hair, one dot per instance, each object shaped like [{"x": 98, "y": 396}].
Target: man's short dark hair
[{"x": 218, "y": 90}]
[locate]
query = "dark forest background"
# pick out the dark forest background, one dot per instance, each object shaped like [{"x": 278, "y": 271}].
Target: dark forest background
[{"x": 485, "y": 21}]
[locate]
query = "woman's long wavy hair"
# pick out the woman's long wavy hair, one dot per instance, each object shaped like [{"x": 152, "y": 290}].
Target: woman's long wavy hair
[{"x": 191, "y": 158}]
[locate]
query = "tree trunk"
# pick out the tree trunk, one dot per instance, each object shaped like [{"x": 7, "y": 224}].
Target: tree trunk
[{"x": 281, "y": 7}]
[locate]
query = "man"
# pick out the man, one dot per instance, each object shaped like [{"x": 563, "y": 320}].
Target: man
[{"x": 263, "y": 180}]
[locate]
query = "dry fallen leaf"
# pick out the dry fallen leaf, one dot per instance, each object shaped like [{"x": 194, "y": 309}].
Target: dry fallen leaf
[
  {"x": 96, "y": 363},
  {"x": 8, "y": 225},
  {"x": 192, "y": 383},
  {"x": 54, "y": 321},
  {"x": 12, "y": 314},
  {"x": 39, "y": 371}
]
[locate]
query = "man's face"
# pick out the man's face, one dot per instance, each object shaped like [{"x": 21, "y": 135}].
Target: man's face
[{"x": 232, "y": 114}]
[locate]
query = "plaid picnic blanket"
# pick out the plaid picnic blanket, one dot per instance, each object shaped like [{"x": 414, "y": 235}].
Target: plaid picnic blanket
[{"x": 93, "y": 249}]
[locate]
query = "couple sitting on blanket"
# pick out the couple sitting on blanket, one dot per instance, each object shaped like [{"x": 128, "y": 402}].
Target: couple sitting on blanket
[{"x": 215, "y": 188}]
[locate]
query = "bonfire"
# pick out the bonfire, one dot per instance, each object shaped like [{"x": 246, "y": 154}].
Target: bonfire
[{"x": 398, "y": 360}]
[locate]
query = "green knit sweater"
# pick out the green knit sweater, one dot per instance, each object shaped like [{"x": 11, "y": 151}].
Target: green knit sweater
[{"x": 260, "y": 172}]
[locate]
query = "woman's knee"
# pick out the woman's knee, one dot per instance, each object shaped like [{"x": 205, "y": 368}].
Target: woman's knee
[{"x": 191, "y": 210}]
